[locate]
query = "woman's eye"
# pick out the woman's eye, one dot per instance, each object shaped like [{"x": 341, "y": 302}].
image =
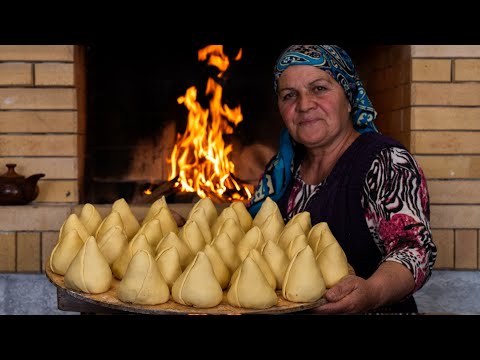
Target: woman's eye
[
  {"x": 319, "y": 88},
  {"x": 288, "y": 96}
]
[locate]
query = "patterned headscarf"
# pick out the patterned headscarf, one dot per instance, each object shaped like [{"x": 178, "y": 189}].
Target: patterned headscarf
[{"x": 335, "y": 61}]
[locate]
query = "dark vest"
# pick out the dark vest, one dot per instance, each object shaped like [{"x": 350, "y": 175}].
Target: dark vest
[{"x": 339, "y": 204}]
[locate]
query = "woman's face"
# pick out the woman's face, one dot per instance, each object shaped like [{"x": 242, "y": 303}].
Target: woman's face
[{"x": 313, "y": 106}]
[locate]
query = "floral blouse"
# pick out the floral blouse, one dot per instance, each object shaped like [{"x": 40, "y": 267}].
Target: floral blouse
[{"x": 397, "y": 217}]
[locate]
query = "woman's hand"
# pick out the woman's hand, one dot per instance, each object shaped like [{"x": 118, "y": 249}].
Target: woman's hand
[{"x": 350, "y": 296}]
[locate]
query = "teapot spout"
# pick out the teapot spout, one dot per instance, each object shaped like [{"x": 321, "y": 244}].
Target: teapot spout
[{"x": 31, "y": 188}]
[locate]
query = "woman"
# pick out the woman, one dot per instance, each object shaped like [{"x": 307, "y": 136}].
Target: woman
[{"x": 333, "y": 163}]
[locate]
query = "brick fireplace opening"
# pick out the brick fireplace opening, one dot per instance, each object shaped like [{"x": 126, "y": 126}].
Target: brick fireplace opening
[{"x": 133, "y": 116}]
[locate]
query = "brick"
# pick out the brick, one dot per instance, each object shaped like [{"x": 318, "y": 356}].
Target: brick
[
  {"x": 453, "y": 94},
  {"x": 447, "y": 51},
  {"x": 36, "y": 52},
  {"x": 41, "y": 99},
  {"x": 14, "y": 74},
  {"x": 450, "y": 167},
  {"x": 431, "y": 70},
  {"x": 33, "y": 217},
  {"x": 38, "y": 145},
  {"x": 454, "y": 192},
  {"x": 52, "y": 167},
  {"x": 444, "y": 241},
  {"x": 49, "y": 240},
  {"x": 455, "y": 216},
  {"x": 444, "y": 142},
  {"x": 57, "y": 191},
  {"x": 28, "y": 252},
  {"x": 54, "y": 74},
  {"x": 467, "y": 69},
  {"x": 466, "y": 249},
  {"x": 7, "y": 252},
  {"x": 445, "y": 118},
  {"x": 38, "y": 121}
]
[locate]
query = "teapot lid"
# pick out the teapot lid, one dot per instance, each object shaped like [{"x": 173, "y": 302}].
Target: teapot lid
[{"x": 11, "y": 174}]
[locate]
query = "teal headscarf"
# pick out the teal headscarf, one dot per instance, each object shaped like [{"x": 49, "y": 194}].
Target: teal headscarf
[{"x": 335, "y": 61}]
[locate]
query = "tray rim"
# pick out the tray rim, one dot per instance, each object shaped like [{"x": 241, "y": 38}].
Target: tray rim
[{"x": 108, "y": 300}]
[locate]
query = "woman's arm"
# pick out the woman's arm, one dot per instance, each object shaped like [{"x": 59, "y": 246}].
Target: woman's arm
[{"x": 396, "y": 203}]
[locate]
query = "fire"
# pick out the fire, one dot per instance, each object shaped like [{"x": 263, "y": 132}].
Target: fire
[{"x": 200, "y": 160}]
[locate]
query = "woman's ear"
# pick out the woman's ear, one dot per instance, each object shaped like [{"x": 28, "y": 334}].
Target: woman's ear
[{"x": 349, "y": 108}]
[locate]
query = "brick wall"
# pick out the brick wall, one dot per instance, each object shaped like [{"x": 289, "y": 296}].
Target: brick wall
[
  {"x": 445, "y": 124},
  {"x": 427, "y": 96}
]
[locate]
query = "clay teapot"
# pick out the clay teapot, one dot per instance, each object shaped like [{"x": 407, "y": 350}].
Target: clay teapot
[{"x": 15, "y": 189}]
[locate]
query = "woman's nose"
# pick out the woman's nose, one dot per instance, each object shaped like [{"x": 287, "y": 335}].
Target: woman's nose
[{"x": 305, "y": 103}]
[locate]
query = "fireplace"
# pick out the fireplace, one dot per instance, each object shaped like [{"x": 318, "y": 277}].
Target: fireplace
[{"x": 133, "y": 114}]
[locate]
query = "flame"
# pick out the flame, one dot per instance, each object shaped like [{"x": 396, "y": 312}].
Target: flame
[{"x": 200, "y": 158}]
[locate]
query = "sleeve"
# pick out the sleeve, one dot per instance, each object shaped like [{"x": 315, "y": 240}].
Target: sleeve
[{"x": 397, "y": 211}]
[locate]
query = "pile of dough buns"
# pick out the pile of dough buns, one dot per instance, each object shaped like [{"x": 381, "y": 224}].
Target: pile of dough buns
[{"x": 251, "y": 260}]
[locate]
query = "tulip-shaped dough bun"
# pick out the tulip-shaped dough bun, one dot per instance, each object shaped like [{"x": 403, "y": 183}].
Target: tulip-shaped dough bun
[
  {"x": 219, "y": 267},
  {"x": 303, "y": 280},
  {"x": 227, "y": 213},
  {"x": 129, "y": 220},
  {"x": 272, "y": 227},
  {"x": 167, "y": 221},
  {"x": 200, "y": 218},
  {"x": 289, "y": 232},
  {"x": 113, "y": 243},
  {"x": 298, "y": 243},
  {"x": 233, "y": 228},
  {"x": 91, "y": 218},
  {"x": 253, "y": 239},
  {"x": 244, "y": 216},
  {"x": 154, "y": 209},
  {"x": 250, "y": 289},
  {"x": 184, "y": 253},
  {"x": 111, "y": 220},
  {"x": 227, "y": 251},
  {"x": 210, "y": 210},
  {"x": 119, "y": 266},
  {"x": 89, "y": 271},
  {"x": 264, "y": 267},
  {"x": 73, "y": 222},
  {"x": 168, "y": 262},
  {"x": 143, "y": 283},
  {"x": 304, "y": 219},
  {"x": 268, "y": 208},
  {"x": 277, "y": 260},
  {"x": 198, "y": 286},
  {"x": 65, "y": 251},
  {"x": 191, "y": 234},
  {"x": 333, "y": 264},
  {"x": 319, "y": 237},
  {"x": 153, "y": 232}
]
